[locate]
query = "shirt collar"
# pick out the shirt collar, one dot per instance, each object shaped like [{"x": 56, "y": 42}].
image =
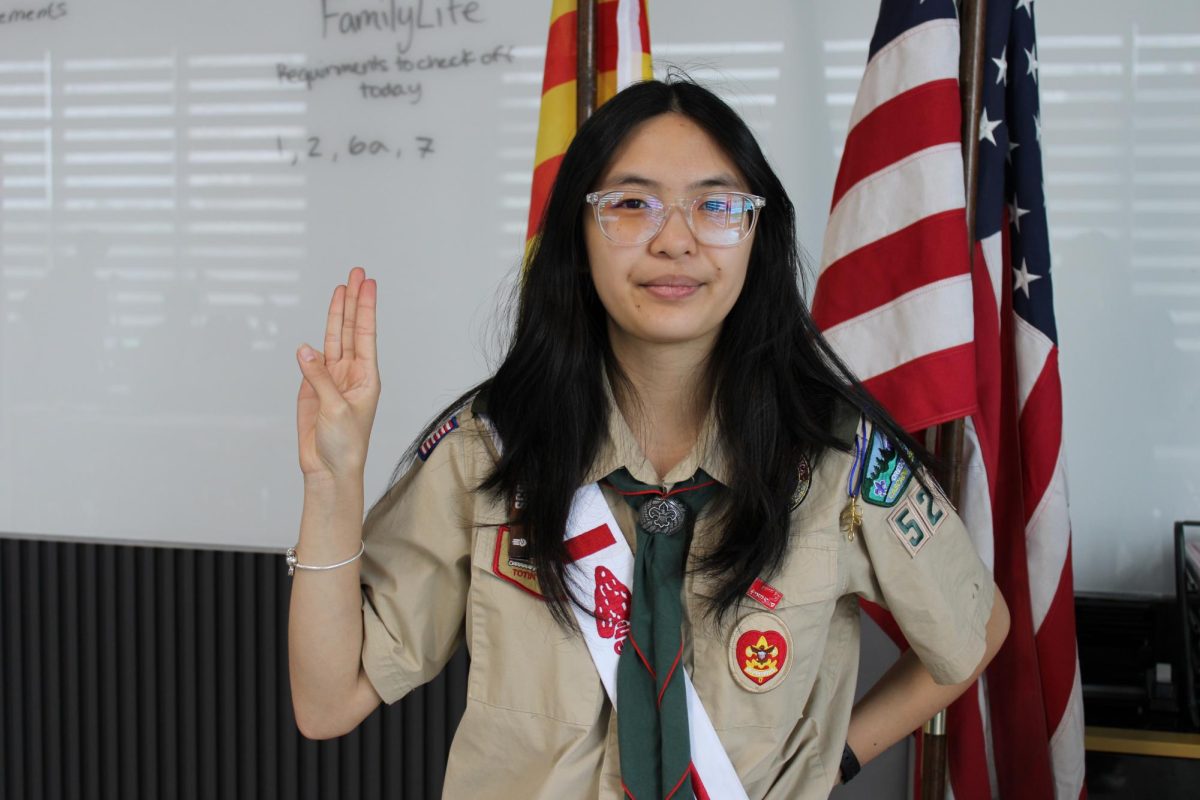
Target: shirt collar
[{"x": 619, "y": 448}]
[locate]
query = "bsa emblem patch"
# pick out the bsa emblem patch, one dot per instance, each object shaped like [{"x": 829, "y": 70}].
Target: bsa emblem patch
[
  {"x": 803, "y": 483},
  {"x": 612, "y": 608},
  {"x": 511, "y": 560},
  {"x": 916, "y": 520},
  {"x": 885, "y": 473},
  {"x": 427, "y": 446},
  {"x": 760, "y": 652}
]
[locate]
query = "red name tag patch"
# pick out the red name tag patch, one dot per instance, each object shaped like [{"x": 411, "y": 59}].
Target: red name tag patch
[{"x": 764, "y": 593}]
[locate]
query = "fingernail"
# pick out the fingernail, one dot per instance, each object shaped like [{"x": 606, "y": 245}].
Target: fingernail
[{"x": 307, "y": 353}]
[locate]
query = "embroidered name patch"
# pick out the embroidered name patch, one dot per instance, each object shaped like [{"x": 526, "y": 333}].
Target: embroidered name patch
[
  {"x": 511, "y": 561},
  {"x": 803, "y": 483},
  {"x": 760, "y": 652},
  {"x": 916, "y": 520},
  {"x": 764, "y": 593},
  {"x": 885, "y": 473},
  {"x": 427, "y": 446}
]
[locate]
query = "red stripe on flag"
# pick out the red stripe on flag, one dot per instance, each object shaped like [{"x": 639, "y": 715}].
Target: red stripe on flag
[
  {"x": 965, "y": 746},
  {"x": 888, "y": 134},
  {"x": 1056, "y": 647},
  {"x": 926, "y": 251},
  {"x": 1041, "y": 433},
  {"x": 561, "y": 44},
  {"x": 644, "y": 30},
  {"x": 606, "y": 36},
  {"x": 589, "y": 542},
  {"x": 1021, "y": 741},
  {"x": 987, "y": 363},
  {"x": 951, "y": 370},
  {"x": 543, "y": 180}
]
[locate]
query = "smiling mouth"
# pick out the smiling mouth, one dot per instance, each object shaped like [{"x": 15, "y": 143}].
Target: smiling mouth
[{"x": 672, "y": 288}]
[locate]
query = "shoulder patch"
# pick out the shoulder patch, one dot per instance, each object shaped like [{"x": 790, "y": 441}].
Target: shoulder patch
[
  {"x": 885, "y": 474},
  {"x": 429, "y": 444}
]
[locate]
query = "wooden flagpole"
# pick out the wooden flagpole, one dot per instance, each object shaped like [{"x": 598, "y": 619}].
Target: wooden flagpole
[
  {"x": 585, "y": 60},
  {"x": 948, "y": 437}
]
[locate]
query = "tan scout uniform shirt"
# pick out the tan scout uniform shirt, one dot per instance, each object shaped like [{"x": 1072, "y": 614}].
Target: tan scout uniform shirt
[{"x": 538, "y": 723}]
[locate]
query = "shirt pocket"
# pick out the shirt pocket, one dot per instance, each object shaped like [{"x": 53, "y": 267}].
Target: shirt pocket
[
  {"x": 758, "y": 667},
  {"x": 521, "y": 659}
]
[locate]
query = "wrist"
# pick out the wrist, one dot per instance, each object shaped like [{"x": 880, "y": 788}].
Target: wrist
[
  {"x": 327, "y": 482},
  {"x": 325, "y": 487}
]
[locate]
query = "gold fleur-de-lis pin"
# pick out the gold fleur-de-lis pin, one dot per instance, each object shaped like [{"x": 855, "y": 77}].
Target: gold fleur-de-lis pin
[{"x": 851, "y": 519}]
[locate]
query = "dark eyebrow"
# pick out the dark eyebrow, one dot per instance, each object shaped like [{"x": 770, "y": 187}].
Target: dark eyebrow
[{"x": 721, "y": 181}]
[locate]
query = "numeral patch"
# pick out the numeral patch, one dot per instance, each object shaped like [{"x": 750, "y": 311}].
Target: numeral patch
[
  {"x": 934, "y": 514},
  {"x": 910, "y": 527}
]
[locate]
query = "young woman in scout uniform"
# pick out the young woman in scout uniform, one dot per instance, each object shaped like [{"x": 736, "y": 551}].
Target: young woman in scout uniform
[{"x": 671, "y": 492}]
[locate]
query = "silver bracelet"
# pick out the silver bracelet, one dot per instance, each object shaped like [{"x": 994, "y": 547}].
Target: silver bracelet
[{"x": 294, "y": 565}]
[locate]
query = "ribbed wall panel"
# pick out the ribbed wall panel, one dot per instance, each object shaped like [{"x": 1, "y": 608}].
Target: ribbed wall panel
[{"x": 153, "y": 672}]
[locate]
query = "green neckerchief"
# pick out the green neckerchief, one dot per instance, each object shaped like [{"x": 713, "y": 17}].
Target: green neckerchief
[{"x": 652, "y": 719}]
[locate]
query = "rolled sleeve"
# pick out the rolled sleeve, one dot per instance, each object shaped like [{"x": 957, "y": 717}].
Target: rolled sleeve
[
  {"x": 416, "y": 570},
  {"x": 925, "y": 570}
]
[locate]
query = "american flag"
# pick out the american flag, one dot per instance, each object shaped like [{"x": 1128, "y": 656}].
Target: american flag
[{"x": 936, "y": 339}]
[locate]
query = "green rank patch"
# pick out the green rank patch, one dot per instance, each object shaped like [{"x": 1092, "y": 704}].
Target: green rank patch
[{"x": 885, "y": 474}]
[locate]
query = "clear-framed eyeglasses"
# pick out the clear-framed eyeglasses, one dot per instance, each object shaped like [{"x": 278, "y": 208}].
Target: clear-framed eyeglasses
[{"x": 716, "y": 219}]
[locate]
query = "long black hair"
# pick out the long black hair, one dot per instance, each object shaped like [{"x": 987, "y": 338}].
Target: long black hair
[{"x": 775, "y": 380}]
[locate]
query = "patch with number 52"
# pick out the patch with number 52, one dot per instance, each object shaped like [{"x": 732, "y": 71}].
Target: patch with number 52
[{"x": 916, "y": 520}]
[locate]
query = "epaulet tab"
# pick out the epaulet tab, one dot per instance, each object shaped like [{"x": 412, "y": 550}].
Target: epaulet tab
[
  {"x": 429, "y": 444},
  {"x": 845, "y": 422},
  {"x": 479, "y": 402}
]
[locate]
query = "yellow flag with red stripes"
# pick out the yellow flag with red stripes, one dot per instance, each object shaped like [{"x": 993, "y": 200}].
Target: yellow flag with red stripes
[{"x": 622, "y": 46}]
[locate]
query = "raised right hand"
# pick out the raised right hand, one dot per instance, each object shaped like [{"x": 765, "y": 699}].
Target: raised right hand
[{"x": 340, "y": 388}]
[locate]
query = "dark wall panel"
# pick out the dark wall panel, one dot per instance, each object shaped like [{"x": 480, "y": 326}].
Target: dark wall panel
[{"x": 153, "y": 672}]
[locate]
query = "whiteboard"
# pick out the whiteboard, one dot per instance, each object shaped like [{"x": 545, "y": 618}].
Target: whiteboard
[{"x": 183, "y": 184}]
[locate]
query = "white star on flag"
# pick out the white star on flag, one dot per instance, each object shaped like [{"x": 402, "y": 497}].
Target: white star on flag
[
  {"x": 1031, "y": 55},
  {"x": 1002, "y": 75},
  {"x": 1015, "y": 212},
  {"x": 1011, "y": 146},
  {"x": 987, "y": 126},
  {"x": 1024, "y": 278},
  {"x": 1027, "y": 5}
]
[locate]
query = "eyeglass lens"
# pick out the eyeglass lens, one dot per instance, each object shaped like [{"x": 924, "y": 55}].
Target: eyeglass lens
[{"x": 719, "y": 218}]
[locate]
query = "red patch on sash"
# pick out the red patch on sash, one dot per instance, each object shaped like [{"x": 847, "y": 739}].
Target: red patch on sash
[
  {"x": 761, "y": 654},
  {"x": 589, "y": 542},
  {"x": 612, "y": 608}
]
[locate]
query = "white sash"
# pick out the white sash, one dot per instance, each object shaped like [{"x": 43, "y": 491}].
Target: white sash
[{"x": 596, "y": 542}]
